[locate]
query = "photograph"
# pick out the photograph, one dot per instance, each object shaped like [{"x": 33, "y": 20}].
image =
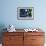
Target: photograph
[{"x": 25, "y": 13}]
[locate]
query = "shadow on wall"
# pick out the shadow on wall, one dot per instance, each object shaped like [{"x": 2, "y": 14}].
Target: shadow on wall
[{"x": 2, "y": 26}]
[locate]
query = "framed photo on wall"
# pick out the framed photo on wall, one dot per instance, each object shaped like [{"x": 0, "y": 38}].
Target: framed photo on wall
[{"x": 25, "y": 13}]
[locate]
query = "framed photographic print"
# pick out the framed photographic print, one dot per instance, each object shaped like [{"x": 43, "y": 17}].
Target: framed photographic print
[{"x": 25, "y": 13}]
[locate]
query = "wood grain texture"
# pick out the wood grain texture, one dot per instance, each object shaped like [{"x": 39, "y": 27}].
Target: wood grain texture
[
  {"x": 34, "y": 39},
  {"x": 13, "y": 39},
  {"x": 23, "y": 39}
]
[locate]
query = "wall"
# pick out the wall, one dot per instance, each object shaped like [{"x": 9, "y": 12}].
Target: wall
[{"x": 8, "y": 13}]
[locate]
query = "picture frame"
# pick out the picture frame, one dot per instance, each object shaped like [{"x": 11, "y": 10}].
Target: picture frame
[{"x": 25, "y": 13}]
